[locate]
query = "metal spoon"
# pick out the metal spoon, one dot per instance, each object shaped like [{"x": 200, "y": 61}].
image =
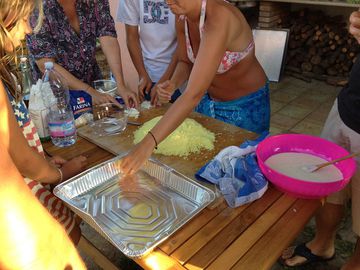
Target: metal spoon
[{"x": 314, "y": 168}]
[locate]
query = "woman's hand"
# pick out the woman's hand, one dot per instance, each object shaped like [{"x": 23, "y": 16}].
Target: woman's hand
[
  {"x": 57, "y": 161},
  {"x": 154, "y": 96},
  {"x": 73, "y": 167},
  {"x": 137, "y": 157},
  {"x": 100, "y": 98},
  {"x": 144, "y": 86},
  {"x": 165, "y": 90},
  {"x": 354, "y": 28},
  {"x": 130, "y": 98}
]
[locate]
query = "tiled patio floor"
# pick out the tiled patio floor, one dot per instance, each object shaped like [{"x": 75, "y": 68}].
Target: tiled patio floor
[
  {"x": 300, "y": 107},
  {"x": 296, "y": 107}
]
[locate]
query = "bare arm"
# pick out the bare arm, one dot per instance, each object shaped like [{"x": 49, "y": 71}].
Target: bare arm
[
  {"x": 165, "y": 89},
  {"x": 29, "y": 162},
  {"x": 74, "y": 83},
  {"x": 165, "y": 77},
  {"x": 111, "y": 49},
  {"x": 213, "y": 44},
  {"x": 182, "y": 68},
  {"x": 134, "y": 47},
  {"x": 183, "y": 65},
  {"x": 30, "y": 237},
  {"x": 170, "y": 69}
]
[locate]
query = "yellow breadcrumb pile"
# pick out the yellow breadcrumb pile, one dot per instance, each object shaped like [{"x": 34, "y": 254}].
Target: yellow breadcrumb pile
[{"x": 189, "y": 137}]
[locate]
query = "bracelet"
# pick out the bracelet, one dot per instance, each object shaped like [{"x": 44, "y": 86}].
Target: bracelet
[
  {"x": 152, "y": 135},
  {"x": 61, "y": 175}
]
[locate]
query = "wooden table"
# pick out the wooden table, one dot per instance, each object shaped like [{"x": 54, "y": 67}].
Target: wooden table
[{"x": 248, "y": 237}]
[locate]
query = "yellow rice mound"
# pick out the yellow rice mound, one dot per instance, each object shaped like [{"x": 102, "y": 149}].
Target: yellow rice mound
[{"x": 189, "y": 137}]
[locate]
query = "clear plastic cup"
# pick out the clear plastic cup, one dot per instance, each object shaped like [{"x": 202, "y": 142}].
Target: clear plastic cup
[
  {"x": 109, "y": 119},
  {"x": 106, "y": 86}
]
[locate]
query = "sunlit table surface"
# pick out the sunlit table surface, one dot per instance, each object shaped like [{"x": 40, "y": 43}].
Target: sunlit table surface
[{"x": 219, "y": 237}]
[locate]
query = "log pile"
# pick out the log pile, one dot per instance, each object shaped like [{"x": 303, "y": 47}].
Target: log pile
[{"x": 320, "y": 47}]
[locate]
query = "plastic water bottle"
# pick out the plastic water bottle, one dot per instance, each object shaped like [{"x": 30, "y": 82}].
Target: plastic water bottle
[
  {"x": 56, "y": 97},
  {"x": 26, "y": 78}
]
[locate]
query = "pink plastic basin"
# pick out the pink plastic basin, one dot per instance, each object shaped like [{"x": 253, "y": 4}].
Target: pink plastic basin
[{"x": 304, "y": 144}]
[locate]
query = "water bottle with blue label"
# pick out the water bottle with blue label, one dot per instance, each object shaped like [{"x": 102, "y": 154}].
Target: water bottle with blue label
[{"x": 56, "y": 97}]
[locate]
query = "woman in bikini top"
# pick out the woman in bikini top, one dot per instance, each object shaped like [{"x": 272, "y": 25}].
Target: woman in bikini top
[
  {"x": 229, "y": 59},
  {"x": 216, "y": 56},
  {"x": 224, "y": 36}
]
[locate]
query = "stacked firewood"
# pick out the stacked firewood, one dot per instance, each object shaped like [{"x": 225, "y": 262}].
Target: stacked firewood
[{"x": 319, "y": 47}]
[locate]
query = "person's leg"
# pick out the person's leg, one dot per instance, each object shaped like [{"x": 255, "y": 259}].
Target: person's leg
[
  {"x": 327, "y": 220},
  {"x": 354, "y": 261},
  {"x": 330, "y": 215}
]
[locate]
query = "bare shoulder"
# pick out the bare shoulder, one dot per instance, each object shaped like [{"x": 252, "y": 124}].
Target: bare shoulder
[
  {"x": 223, "y": 14},
  {"x": 228, "y": 23}
]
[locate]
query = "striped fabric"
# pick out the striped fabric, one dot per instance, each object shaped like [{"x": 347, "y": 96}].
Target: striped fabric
[{"x": 43, "y": 192}]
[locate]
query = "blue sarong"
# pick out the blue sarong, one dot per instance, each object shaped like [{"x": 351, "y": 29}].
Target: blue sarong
[{"x": 251, "y": 112}]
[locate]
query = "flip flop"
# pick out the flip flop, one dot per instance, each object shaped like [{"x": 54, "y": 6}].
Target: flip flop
[{"x": 303, "y": 251}]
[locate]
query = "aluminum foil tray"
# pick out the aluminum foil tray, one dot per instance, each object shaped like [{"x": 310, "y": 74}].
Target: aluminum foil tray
[{"x": 134, "y": 213}]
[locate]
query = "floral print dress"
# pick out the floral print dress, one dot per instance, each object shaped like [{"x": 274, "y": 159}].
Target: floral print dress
[{"x": 58, "y": 40}]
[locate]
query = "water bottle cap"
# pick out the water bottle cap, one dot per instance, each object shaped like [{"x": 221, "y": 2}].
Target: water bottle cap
[
  {"x": 49, "y": 65},
  {"x": 23, "y": 59}
]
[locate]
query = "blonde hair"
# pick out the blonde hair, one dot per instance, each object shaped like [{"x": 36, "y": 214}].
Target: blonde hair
[{"x": 19, "y": 9}]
